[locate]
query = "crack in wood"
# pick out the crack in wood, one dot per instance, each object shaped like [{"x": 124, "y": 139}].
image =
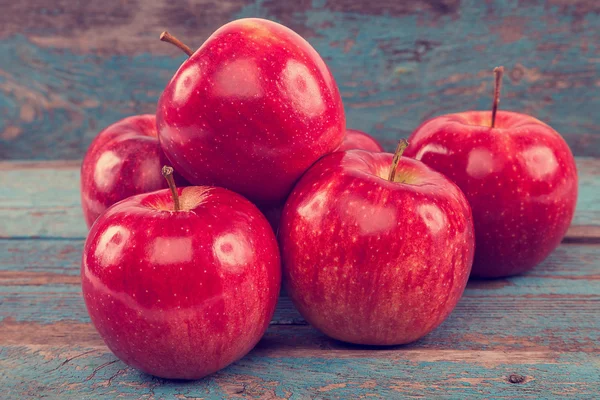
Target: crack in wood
[
  {"x": 106, "y": 364},
  {"x": 72, "y": 358},
  {"x": 119, "y": 372}
]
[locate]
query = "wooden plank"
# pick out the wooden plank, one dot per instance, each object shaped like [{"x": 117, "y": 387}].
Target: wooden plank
[
  {"x": 41, "y": 199},
  {"x": 540, "y": 329},
  {"x": 92, "y": 372},
  {"x": 69, "y": 71},
  {"x": 39, "y": 285}
]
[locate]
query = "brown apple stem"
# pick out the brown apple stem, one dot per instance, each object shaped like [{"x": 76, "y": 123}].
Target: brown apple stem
[
  {"x": 498, "y": 72},
  {"x": 168, "y": 174},
  {"x": 402, "y": 144},
  {"x": 167, "y": 37}
]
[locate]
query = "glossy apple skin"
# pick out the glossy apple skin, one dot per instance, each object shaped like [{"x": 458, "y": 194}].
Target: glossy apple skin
[
  {"x": 250, "y": 111},
  {"x": 374, "y": 262},
  {"x": 353, "y": 140},
  {"x": 520, "y": 178},
  {"x": 358, "y": 140},
  {"x": 125, "y": 159},
  {"x": 181, "y": 294}
]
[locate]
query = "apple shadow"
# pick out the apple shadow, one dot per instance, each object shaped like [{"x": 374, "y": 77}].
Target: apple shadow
[
  {"x": 341, "y": 345},
  {"x": 304, "y": 337},
  {"x": 488, "y": 283},
  {"x": 156, "y": 381}
]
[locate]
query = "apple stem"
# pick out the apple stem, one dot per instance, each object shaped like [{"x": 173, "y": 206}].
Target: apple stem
[
  {"x": 167, "y": 37},
  {"x": 168, "y": 174},
  {"x": 402, "y": 144},
  {"x": 498, "y": 72}
]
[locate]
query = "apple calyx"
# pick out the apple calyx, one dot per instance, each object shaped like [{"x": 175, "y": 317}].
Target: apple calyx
[
  {"x": 402, "y": 144},
  {"x": 498, "y": 73},
  {"x": 167, "y": 172},
  {"x": 167, "y": 37}
]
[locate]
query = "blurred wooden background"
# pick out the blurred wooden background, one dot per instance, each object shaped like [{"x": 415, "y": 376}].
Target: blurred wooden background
[{"x": 69, "y": 68}]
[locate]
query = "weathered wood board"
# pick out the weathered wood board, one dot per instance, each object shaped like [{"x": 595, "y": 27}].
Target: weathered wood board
[{"x": 68, "y": 69}]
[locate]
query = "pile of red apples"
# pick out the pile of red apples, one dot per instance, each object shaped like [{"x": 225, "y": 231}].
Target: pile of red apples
[{"x": 181, "y": 270}]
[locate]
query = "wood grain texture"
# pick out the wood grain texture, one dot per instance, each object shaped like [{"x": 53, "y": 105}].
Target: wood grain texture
[
  {"x": 43, "y": 275},
  {"x": 540, "y": 329},
  {"x": 92, "y": 372},
  {"x": 41, "y": 199},
  {"x": 69, "y": 69}
]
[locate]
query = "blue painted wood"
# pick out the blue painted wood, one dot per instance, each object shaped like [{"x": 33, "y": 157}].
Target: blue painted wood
[
  {"x": 42, "y": 200},
  {"x": 535, "y": 335},
  {"x": 91, "y": 373},
  {"x": 67, "y": 72}
]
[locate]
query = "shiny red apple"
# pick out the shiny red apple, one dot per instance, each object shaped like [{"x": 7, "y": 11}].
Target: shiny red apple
[
  {"x": 250, "y": 111},
  {"x": 353, "y": 140},
  {"x": 123, "y": 160},
  {"x": 181, "y": 294},
  {"x": 358, "y": 140},
  {"x": 519, "y": 176},
  {"x": 373, "y": 260}
]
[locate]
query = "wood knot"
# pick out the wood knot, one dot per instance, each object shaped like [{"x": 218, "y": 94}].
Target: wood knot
[{"x": 516, "y": 378}]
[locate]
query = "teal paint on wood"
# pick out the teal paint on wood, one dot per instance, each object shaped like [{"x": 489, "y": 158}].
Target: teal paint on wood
[
  {"x": 68, "y": 98},
  {"x": 93, "y": 372},
  {"x": 41, "y": 256},
  {"x": 63, "y": 77}
]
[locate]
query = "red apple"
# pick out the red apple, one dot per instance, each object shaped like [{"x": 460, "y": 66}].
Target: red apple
[
  {"x": 369, "y": 260},
  {"x": 122, "y": 161},
  {"x": 181, "y": 294},
  {"x": 353, "y": 140},
  {"x": 357, "y": 140},
  {"x": 520, "y": 179},
  {"x": 250, "y": 111}
]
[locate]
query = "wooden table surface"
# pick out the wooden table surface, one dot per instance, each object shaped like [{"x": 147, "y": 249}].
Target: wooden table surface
[
  {"x": 530, "y": 336},
  {"x": 68, "y": 69}
]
